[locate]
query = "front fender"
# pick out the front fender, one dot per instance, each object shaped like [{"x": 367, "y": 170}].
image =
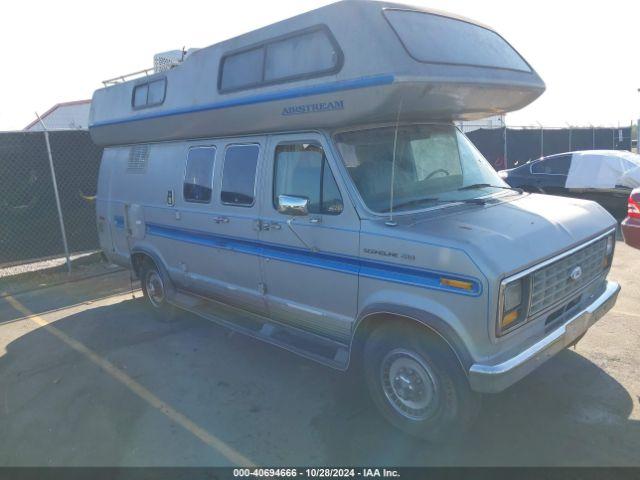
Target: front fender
[{"x": 429, "y": 320}]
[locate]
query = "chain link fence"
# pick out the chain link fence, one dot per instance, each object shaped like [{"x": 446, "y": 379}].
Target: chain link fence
[
  {"x": 29, "y": 220},
  {"x": 512, "y": 146}
]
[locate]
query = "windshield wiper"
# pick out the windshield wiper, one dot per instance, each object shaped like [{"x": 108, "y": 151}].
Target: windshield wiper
[
  {"x": 415, "y": 201},
  {"x": 484, "y": 185},
  {"x": 418, "y": 201}
]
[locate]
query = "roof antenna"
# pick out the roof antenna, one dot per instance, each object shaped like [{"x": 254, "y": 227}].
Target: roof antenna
[{"x": 391, "y": 222}]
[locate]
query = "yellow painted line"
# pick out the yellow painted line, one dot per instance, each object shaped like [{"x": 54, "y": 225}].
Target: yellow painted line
[
  {"x": 234, "y": 457},
  {"x": 132, "y": 294}
]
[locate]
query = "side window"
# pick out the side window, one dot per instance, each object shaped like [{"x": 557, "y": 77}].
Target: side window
[
  {"x": 149, "y": 94},
  {"x": 553, "y": 166},
  {"x": 242, "y": 70},
  {"x": 198, "y": 175},
  {"x": 140, "y": 95},
  {"x": 302, "y": 170},
  {"x": 311, "y": 53},
  {"x": 561, "y": 165},
  {"x": 300, "y": 55},
  {"x": 239, "y": 175},
  {"x": 539, "y": 167}
]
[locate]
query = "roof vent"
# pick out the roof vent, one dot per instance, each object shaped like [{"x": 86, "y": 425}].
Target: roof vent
[{"x": 138, "y": 157}]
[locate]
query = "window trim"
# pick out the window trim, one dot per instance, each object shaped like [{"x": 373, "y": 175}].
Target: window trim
[
  {"x": 148, "y": 82},
  {"x": 213, "y": 172},
  {"x": 264, "y": 44},
  {"x": 255, "y": 177},
  {"x": 325, "y": 163},
  {"x": 531, "y": 71}
]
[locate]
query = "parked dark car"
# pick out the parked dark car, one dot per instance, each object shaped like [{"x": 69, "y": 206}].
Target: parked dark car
[
  {"x": 606, "y": 177},
  {"x": 631, "y": 224}
]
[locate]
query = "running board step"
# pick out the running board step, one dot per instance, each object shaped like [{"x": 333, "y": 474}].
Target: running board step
[{"x": 309, "y": 345}]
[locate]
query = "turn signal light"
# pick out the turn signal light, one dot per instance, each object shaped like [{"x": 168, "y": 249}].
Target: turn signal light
[
  {"x": 508, "y": 319},
  {"x": 450, "y": 282}
]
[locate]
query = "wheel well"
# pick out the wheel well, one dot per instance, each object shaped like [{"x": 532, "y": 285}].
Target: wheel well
[
  {"x": 369, "y": 323},
  {"x": 138, "y": 259}
]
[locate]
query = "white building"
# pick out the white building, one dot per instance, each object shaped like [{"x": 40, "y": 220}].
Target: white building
[{"x": 64, "y": 116}]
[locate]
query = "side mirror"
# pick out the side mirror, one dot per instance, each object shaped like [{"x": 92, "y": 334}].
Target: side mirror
[{"x": 292, "y": 205}]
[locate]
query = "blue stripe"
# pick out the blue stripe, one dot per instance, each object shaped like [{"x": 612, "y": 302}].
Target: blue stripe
[
  {"x": 343, "y": 264},
  {"x": 340, "y": 86}
]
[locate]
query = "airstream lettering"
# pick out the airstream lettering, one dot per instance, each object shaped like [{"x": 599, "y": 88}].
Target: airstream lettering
[
  {"x": 305, "y": 184},
  {"x": 313, "y": 108}
]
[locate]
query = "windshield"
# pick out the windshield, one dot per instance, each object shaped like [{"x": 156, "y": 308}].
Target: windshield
[{"x": 434, "y": 163}]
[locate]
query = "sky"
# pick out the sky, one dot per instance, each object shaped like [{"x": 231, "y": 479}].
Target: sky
[{"x": 587, "y": 52}]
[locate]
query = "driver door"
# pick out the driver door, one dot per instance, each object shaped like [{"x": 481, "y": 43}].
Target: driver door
[{"x": 310, "y": 262}]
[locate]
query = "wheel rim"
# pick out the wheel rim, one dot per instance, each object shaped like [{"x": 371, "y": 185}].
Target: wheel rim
[
  {"x": 409, "y": 384},
  {"x": 155, "y": 288}
]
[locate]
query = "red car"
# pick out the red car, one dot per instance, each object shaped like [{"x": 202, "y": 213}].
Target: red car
[{"x": 631, "y": 224}]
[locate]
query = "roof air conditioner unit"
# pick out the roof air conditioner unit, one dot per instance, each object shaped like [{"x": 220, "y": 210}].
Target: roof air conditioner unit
[{"x": 167, "y": 60}]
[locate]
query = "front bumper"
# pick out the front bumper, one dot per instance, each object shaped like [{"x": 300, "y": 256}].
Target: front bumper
[{"x": 494, "y": 378}]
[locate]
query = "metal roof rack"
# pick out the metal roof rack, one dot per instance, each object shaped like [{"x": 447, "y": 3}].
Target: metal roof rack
[{"x": 128, "y": 76}]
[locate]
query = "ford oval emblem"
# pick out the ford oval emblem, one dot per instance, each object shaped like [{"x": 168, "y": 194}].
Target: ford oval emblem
[{"x": 575, "y": 274}]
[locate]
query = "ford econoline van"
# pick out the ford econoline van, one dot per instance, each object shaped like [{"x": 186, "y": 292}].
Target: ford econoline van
[{"x": 305, "y": 184}]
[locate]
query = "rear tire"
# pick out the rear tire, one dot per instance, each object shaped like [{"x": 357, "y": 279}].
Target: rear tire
[
  {"x": 417, "y": 383},
  {"x": 154, "y": 288}
]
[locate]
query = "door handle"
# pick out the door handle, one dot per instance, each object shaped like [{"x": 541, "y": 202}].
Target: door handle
[
  {"x": 266, "y": 226},
  {"x": 221, "y": 220},
  {"x": 315, "y": 220}
]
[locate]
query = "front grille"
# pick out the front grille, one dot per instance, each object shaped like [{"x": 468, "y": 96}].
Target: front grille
[{"x": 553, "y": 284}]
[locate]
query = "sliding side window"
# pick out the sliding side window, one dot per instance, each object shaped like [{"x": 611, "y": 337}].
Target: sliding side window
[
  {"x": 198, "y": 177},
  {"x": 313, "y": 52},
  {"x": 239, "y": 175},
  {"x": 149, "y": 94}
]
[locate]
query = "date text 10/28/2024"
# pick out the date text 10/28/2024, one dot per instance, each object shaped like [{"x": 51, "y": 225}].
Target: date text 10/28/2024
[{"x": 315, "y": 473}]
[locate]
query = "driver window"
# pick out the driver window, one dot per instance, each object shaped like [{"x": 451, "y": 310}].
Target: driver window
[{"x": 302, "y": 170}]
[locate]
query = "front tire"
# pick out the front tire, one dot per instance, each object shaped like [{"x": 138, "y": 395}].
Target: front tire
[
  {"x": 154, "y": 288},
  {"x": 415, "y": 380}
]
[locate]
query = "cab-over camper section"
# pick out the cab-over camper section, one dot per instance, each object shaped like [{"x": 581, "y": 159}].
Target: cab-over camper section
[{"x": 340, "y": 65}]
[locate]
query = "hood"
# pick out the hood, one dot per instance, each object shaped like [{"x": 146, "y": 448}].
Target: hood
[{"x": 508, "y": 236}]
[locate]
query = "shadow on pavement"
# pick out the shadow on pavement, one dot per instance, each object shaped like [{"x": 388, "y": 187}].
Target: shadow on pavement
[
  {"x": 57, "y": 408},
  {"x": 63, "y": 295}
]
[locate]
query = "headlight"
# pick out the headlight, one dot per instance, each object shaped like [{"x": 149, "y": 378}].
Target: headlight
[
  {"x": 611, "y": 243},
  {"x": 512, "y": 295},
  {"x": 513, "y": 305}
]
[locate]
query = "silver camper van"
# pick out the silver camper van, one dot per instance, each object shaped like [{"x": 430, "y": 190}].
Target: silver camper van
[{"x": 305, "y": 184}]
